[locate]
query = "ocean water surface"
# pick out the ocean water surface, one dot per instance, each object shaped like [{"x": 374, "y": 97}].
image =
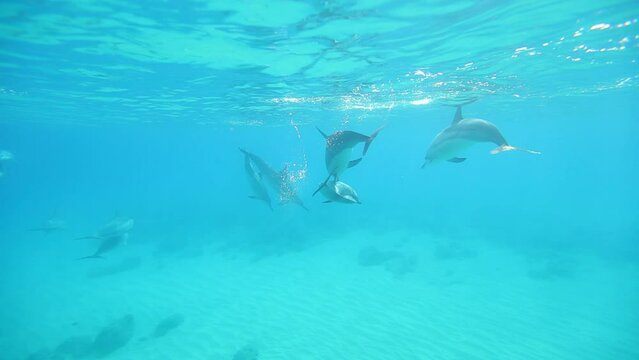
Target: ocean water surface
[{"x": 133, "y": 227}]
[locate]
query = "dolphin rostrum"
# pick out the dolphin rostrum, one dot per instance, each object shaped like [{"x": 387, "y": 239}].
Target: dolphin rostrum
[
  {"x": 255, "y": 179},
  {"x": 339, "y": 191},
  {"x": 276, "y": 180},
  {"x": 463, "y": 133}
]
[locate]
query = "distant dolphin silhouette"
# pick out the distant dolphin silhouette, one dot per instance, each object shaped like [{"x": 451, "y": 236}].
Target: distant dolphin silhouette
[
  {"x": 463, "y": 133},
  {"x": 50, "y": 226},
  {"x": 256, "y": 181},
  {"x": 277, "y": 180},
  {"x": 338, "y": 191},
  {"x": 117, "y": 226},
  {"x": 108, "y": 243}
]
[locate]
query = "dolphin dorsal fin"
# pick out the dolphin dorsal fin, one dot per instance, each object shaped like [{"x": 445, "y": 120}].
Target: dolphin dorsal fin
[
  {"x": 458, "y": 113},
  {"x": 321, "y": 132}
]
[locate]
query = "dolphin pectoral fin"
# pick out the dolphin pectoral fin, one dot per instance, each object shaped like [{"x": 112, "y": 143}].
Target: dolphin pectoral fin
[
  {"x": 327, "y": 201},
  {"x": 321, "y": 132},
  {"x": 370, "y": 140},
  {"x": 506, "y": 147},
  {"x": 456, "y": 160},
  {"x": 354, "y": 162},
  {"x": 322, "y": 184}
]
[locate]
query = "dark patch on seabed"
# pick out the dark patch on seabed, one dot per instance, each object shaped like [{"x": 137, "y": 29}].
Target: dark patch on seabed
[
  {"x": 393, "y": 261},
  {"x": 107, "y": 341}
]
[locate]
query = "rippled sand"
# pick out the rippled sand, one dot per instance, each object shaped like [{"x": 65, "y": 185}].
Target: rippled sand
[{"x": 464, "y": 300}]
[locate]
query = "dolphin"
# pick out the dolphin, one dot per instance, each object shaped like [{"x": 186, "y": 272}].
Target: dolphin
[
  {"x": 277, "y": 180},
  {"x": 339, "y": 147},
  {"x": 50, "y": 226},
  {"x": 117, "y": 227},
  {"x": 339, "y": 191},
  {"x": 255, "y": 179},
  {"x": 463, "y": 133},
  {"x": 107, "y": 244}
]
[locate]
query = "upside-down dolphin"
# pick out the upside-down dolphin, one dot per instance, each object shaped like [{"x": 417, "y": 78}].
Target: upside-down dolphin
[
  {"x": 255, "y": 179},
  {"x": 277, "y": 180},
  {"x": 463, "y": 133},
  {"x": 339, "y": 148},
  {"x": 338, "y": 191}
]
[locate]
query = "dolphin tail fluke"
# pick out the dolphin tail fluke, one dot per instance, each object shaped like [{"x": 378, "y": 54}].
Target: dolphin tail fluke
[
  {"x": 322, "y": 184},
  {"x": 321, "y": 132},
  {"x": 91, "y": 257},
  {"x": 370, "y": 140},
  {"x": 506, "y": 147}
]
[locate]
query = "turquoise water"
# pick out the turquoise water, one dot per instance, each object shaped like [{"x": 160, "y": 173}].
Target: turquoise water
[{"x": 120, "y": 126}]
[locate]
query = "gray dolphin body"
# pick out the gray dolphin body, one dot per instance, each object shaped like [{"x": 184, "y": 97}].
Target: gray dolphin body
[
  {"x": 339, "y": 148},
  {"x": 277, "y": 180},
  {"x": 338, "y": 191},
  {"x": 111, "y": 236},
  {"x": 255, "y": 179},
  {"x": 462, "y": 134}
]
